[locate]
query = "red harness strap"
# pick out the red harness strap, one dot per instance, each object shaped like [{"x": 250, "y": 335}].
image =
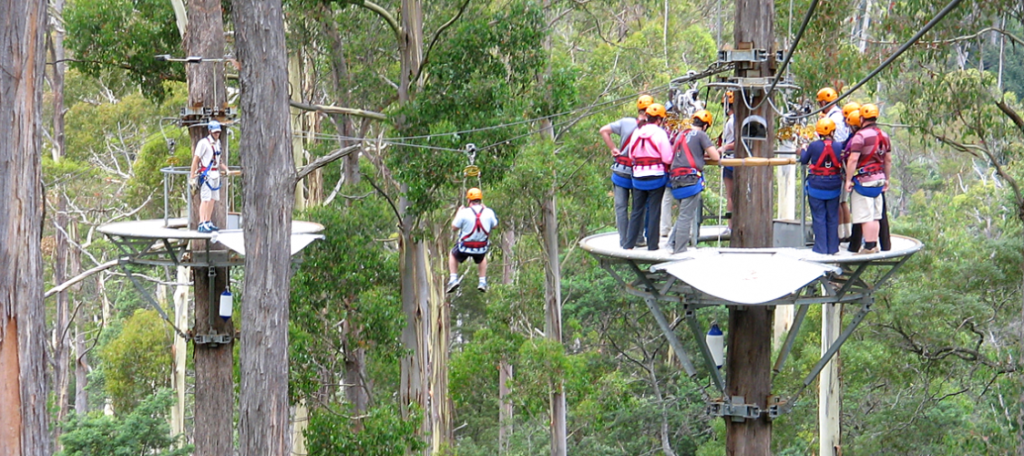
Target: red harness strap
[
  {"x": 823, "y": 168},
  {"x": 645, "y": 161},
  {"x": 683, "y": 170},
  {"x": 478, "y": 226},
  {"x": 872, "y": 162}
]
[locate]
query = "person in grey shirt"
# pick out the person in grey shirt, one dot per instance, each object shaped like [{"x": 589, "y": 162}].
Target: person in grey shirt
[{"x": 622, "y": 169}]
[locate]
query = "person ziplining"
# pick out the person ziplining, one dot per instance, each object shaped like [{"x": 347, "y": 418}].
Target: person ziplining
[{"x": 474, "y": 225}]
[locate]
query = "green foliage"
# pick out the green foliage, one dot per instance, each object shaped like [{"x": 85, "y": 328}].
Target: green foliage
[
  {"x": 384, "y": 433},
  {"x": 105, "y": 34},
  {"x": 137, "y": 362},
  {"x": 144, "y": 430},
  {"x": 483, "y": 75},
  {"x": 347, "y": 281}
]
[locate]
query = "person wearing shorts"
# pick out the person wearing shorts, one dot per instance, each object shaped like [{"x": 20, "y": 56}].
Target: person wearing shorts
[
  {"x": 474, "y": 225},
  {"x": 205, "y": 172},
  {"x": 867, "y": 176}
]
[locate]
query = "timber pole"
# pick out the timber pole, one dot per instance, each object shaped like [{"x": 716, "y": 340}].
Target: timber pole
[
  {"x": 214, "y": 363},
  {"x": 748, "y": 365}
]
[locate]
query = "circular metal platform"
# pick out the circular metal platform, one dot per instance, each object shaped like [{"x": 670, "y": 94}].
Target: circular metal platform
[{"x": 606, "y": 245}]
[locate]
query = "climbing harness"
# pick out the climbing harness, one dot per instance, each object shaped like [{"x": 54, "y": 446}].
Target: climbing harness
[
  {"x": 214, "y": 161},
  {"x": 823, "y": 167},
  {"x": 478, "y": 226}
]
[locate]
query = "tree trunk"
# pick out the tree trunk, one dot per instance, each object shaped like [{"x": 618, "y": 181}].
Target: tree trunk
[
  {"x": 829, "y": 399},
  {"x": 750, "y": 331},
  {"x": 504, "y": 406},
  {"x": 297, "y": 123},
  {"x": 23, "y": 387},
  {"x": 81, "y": 372},
  {"x": 61, "y": 343},
  {"x": 553, "y": 317},
  {"x": 269, "y": 178},
  {"x": 415, "y": 367},
  {"x": 214, "y": 366}
]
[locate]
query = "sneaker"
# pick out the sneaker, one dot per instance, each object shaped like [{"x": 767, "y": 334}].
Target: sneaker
[
  {"x": 204, "y": 227},
  {"x": 453, "y": 285},
  {"x": 642, "y": 242},
  {"x": 864, "y": 251},
  {"x": 212, "y": 227},
  {"x": 482, "y": 286}
]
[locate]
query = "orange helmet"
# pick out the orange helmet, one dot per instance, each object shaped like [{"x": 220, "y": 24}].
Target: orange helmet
[
  {"x": 850, "y": 107},
  {"x": 728, "y": 96},
  {"x": 854, "y": 118},
  {"x": 704, "y": 116},
  {"x": 474, "y": 194},
  {"x": 869, "y": 111},
  {"x": 644, "y": 101},
  {"x": 825, "y": 126},
  {"x": 656, "y": 110},
  {"x": 827, "y": 95}
]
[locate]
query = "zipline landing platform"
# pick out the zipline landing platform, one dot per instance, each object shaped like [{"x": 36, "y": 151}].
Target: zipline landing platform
[{"x": 168, "y": 243}]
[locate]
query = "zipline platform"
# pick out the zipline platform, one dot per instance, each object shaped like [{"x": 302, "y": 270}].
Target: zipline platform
[
  {"x": 705, "y": 276},
  {"x": 168, "y": 242},
  {"x": 739, "y": 278}
]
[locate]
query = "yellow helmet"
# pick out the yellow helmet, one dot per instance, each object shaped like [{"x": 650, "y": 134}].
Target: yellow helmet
[
  {"x": 854, "y": 118},
  {"x": 850, "y": 107},
  {"x": 869, "y": 111},
  {"x": 825, "y": 126},
  {"x": 656, "y": 110},
  {"x": 644, "y": 101},
  {"x": 827, "y": 95},
  {"x": 704, "y": 116},
  {"x": 474, "y": 194}
]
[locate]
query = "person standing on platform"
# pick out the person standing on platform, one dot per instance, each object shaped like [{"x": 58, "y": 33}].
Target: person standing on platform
[
  {"x": 474, "y": 224},
  {"x": 686, "y": 177},
  {"x": 652, "y": 155},
  {"x": 823, "y": 185},
  {"x": 728, "y": 145},
  {"x": 828, "y": 95},
  {"x": 205, "y": 173},
  {"x": 622, "y": 169},
  {"x": 867, "y": 176}
]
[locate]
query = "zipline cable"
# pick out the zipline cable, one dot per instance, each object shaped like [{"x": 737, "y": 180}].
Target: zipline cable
[{"x": 935, "y": 20}]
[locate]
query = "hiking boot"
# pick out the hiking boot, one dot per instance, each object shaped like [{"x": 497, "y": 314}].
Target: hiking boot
[
  {"x": 482, "y": 286},
  {"x": 864, "y": 251},
  {"x": 453, "y": 285}
]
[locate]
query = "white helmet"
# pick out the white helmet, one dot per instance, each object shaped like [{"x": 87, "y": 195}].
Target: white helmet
[{"x": 213, "y": 126}]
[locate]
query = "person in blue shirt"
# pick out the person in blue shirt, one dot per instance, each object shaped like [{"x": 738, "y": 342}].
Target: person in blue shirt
[{"x": 823, "y": 185}]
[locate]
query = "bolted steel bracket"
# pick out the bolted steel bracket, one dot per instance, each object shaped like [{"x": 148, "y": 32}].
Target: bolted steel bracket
[
  {"x": 734, "y": 408},
  {"x": 776, "y": 407},
  {"x": 213, "y": 340}
]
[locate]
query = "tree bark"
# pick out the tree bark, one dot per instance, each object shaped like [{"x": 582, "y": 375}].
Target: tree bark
[
  {"x": 61, "y": 343},
  {"x": 750, "y": 331},
  {"x": 269, "y": 178},
  {"x": 23, "y": 386},
  {"x": 829, "y": 399},
  {"x": 214, "y": 366},
  {"x": 414, "y": 367}
]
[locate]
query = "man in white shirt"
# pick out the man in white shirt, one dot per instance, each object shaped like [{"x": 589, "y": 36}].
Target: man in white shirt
[
  {"x": 205, "y": 172},
  {"x": 474, "y": 224}
]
